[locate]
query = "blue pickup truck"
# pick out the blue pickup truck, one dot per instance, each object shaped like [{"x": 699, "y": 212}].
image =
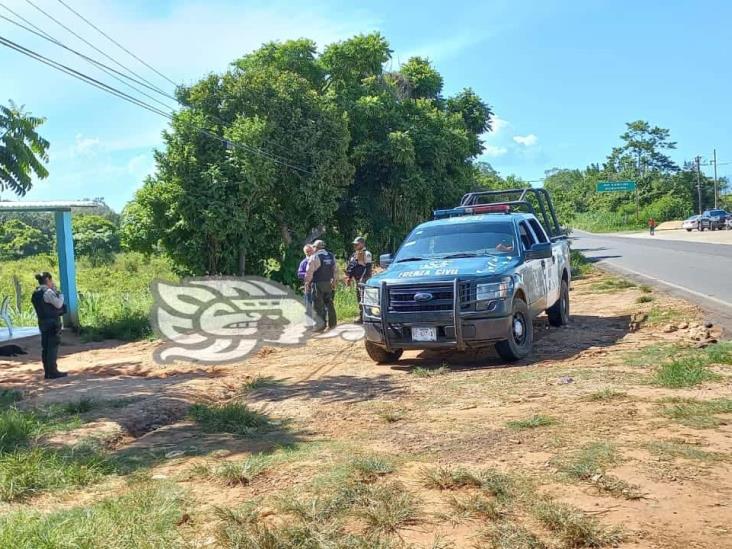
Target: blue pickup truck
[{"x": 477, "y": 275}]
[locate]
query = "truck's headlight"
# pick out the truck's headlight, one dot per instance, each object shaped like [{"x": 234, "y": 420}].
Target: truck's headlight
[
  {"x": 371, "y": 297},
  {"x": 494, "y": 290}
]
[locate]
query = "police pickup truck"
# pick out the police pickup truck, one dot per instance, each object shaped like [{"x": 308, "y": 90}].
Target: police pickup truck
[{"x": 477, "y": 275}]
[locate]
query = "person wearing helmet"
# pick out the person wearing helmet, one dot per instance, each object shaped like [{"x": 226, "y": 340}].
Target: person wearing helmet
[
  {"x": 359, "y": 270},
  {"x": 320, "y": 277}
]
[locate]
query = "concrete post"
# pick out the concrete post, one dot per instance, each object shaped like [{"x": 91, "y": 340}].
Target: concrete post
[{"x": 67, "y": 267}]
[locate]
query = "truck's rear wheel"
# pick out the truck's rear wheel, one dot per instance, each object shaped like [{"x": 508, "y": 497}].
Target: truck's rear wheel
[
  {"x": 521, "y": 339},
  {"x": 559, "y": 312},
  {"x": 381, "y": 355}
]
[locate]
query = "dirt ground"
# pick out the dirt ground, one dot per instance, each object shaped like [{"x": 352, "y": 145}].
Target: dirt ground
[{"x": 430, "y": 409}]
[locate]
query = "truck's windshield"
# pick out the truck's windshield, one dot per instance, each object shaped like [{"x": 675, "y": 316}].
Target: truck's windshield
[{"x": 461, "y": 240}]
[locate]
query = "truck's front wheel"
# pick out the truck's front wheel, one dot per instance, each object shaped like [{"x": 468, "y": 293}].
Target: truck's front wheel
[
  {"x": 381, "y": 355},
  {"x": 521, "y": 339}
]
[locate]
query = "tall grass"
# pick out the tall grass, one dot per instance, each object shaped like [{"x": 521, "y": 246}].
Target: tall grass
[
  {"x": 114, "y": 297},
  {"x": 145, "y": 517}
]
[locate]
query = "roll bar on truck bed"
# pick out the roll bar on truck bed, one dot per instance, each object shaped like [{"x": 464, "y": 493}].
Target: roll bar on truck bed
[{"x": 521, "y": 199}]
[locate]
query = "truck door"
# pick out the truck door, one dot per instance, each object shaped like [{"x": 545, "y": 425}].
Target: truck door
[
  {"x": 535, "y": 278},
  {"x": 549, "y": 266}
]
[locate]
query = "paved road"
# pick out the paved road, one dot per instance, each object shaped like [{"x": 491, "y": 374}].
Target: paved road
[{"x": 699, "y": 272}]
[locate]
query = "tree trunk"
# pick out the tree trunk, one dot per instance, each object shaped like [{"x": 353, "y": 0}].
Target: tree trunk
[{"x": 242, "y": 261}]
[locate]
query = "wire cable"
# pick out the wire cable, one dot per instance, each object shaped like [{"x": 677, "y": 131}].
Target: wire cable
[
  {"x": 138, "y": 102},
  {"x": 105, "y": 68},
  {"x": 100, "y": 31},
  {"x": 77, "y": 35}
]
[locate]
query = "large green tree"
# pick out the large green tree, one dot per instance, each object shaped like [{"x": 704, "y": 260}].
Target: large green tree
[
  {"x": 22, "y": 150},
  {"x": 308, "y": 144},
  {"x": 255, "y": 160},
  {"x": 95, "y": 237},
  {"x": 18, "y": 240}
]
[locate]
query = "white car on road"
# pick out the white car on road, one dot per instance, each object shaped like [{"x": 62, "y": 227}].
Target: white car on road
[{"x": 691, "y": 223}]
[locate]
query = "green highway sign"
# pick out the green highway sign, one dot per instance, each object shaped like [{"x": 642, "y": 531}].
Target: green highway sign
[{"x": 615, "y": 186}]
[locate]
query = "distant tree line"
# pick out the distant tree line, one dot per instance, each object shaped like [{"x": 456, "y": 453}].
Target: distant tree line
[{"x": 666, "y": 191}]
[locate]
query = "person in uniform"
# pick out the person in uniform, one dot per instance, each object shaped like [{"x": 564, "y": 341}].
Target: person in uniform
[
  {"x": 359, "y": 270},
  {"x": 49, "y": 306},
  {"x": 320, "y": 277}
]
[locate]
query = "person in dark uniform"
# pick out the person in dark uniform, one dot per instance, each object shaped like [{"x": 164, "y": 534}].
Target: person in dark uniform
[
  {"x": 359, "y": 270},
  {"x": 49, "y": 306},
  {"x": 320, "y": 277}
]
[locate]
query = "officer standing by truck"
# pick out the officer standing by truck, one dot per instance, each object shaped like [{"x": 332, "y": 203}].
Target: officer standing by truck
[
  {"x": 320, "y": 277},
  {"x": 49, "y": 306},
  {"x": 359, "y": 270}
]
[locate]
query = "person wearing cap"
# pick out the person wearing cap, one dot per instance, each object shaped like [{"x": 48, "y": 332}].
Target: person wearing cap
[
  {"x": 359, "y": 270},
  {"x": 320, "y": 277}
]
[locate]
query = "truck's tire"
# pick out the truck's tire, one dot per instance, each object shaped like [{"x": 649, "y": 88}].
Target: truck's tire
[
  {"x": 521, "y": 339},
  {"x": 559, "y": 312},
  {"x": 381, "y": 355}
]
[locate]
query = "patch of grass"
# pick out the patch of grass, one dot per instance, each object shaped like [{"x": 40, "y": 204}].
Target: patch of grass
[
  {"x": 421, "y": 371},
  {"x": 474, "y": 506},
  {"x": 511, "y": 535},
  {"x": 25, "y": 472},
  {"x": 609, "y": 285},
  {"x": 501, "y": 485},
  {"x": 645, "y": 288},
  {"x": 228, "y": 418},
  {"x": 257, "y": 382},
  {"x": 606, "y": 394},
  {"x": 146, "y": 516},
  {"x": 678, "y": 449},
  {"x": 663, "y": 315},
  {"x": 687, "y": 371},
  {"x": 387, "y": 507},
  {"x": 588, "y": 465},
  {"x": 390, "y": 415},
  {"x": 579, "y": 264},
  {"x": 537, "y": 420},
  {"x": 447, "y": 478},
  {"x": 9, "y": 397},
  {"x": 369, "y": 468},
  {"x": 651, "y": 355},
  {"x": 235, "y": 473},
  {"x": 575, "y": 528},
  {"x": 645, "y": 299},
  {"x": 17, "y": 428},
  {"x": 699, "y": 414}
]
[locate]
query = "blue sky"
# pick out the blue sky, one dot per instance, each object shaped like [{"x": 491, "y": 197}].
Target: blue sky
[{"x": 562, "y": 76}]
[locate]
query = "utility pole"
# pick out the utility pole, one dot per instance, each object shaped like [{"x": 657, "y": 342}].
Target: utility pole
[
  {"x": 698, "y": 183},
  {"x": 716, "y": 192}
]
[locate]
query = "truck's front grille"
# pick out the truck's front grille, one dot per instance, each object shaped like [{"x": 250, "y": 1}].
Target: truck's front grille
[{"x": 403, "y": 299}]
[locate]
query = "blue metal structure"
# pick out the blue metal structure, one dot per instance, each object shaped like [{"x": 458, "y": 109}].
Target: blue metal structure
[{"x": 64, "y": 246}]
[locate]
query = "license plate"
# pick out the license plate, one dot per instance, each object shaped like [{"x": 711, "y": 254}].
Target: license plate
[{"x": 424, "y": 334}]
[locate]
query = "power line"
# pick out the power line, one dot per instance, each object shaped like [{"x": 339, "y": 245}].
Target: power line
[
  {"x": 77, "y": 35},
  {"x": 100, "y": 31},
  {"x": 146, "y": 82},
  {"x": 135, "y": 101},
  {"x": 105, "y": 68}
]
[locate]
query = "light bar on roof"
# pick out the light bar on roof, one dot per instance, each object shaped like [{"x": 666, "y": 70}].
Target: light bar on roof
[{"x": 472, "y": 210}]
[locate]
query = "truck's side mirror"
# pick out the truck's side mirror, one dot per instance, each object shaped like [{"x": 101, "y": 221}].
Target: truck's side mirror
[
  {"x": 385, "y": 260},
  {"x": 540, "y": 250}
]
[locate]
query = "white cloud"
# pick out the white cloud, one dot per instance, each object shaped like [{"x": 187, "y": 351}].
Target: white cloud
[
  {"x": 498, "y": 124},
  {"x": 526, "y": 140},
  {"x": 141, "y": 166},
  {"x": 494, "y": 151},
  {"x": 84, "y": 146},
  {"x": 440, "y": 50}
]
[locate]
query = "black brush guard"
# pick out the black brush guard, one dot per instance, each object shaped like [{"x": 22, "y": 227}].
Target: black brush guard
[{"x": 456, "y": 319}]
